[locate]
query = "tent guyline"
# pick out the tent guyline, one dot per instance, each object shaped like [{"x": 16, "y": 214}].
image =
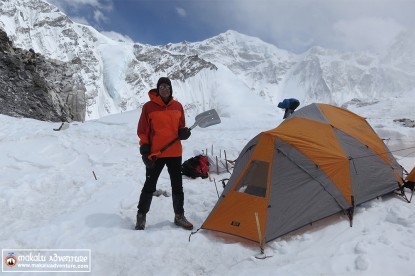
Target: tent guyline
[
  {"x": 382, "y": 153},
  {"x": 399, "y": 139},
  {"x": 400, "y": 188},
  {"x": 293, "y": 175},
  {"x": 412, "y": 152}
]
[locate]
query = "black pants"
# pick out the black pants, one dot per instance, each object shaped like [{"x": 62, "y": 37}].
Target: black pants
[{"x": 174, "y": 166}]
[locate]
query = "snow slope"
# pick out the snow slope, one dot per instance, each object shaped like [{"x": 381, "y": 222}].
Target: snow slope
[{"x": 51, "y": 200}]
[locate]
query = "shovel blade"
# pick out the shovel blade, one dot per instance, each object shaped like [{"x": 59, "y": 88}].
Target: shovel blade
[
  {"x": 204, "y": 119},
  {"x": 207, "y": 118}
]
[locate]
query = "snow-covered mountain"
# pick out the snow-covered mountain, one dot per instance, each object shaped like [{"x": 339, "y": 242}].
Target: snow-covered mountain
[
  {"x": 78, "y": 188},
  {"x": 118, "y": 74}
]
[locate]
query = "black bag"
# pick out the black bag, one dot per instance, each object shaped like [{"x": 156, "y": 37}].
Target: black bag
[{"x": 197, "y": 166}]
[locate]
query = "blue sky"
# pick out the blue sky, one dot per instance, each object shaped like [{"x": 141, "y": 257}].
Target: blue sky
[{"x": 294, "y": 25}]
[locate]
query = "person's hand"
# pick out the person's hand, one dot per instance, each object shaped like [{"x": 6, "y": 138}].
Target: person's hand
[
  {"x": 184, "y": 133},
  {"x": 145, "y": 151},
  {"x": 149, "y": 163}
]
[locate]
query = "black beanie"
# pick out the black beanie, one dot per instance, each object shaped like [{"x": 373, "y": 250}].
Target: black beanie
[{"x": 167, "y": 81}]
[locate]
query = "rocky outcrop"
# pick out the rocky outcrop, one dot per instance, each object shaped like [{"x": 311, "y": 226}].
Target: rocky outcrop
[
  {"x": 32, "y": 86},
  {"x": 405, "y": 122}
]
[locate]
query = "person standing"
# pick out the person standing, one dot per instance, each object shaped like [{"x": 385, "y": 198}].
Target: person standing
[{"x": 162, "y": 120}]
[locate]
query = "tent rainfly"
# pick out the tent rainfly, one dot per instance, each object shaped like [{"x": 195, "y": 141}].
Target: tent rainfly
[
  {"x": 320, "y": 161},
  {"x": 411, "y": 176}
]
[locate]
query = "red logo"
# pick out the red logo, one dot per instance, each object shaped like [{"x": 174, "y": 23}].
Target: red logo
[{"x": 10, "y": 260}]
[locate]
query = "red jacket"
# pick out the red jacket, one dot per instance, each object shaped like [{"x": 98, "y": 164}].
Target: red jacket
[{"x": 159, "y": 124}]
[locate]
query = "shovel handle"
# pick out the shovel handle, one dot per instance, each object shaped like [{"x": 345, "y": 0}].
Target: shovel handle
[{"x": 155, "y": 154}]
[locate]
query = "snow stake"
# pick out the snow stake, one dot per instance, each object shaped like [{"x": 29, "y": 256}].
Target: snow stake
[{"x": 261, "y": 255}]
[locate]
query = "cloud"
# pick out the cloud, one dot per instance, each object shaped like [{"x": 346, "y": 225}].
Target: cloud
[
  {"x": 88, "y": 12},
  {"x": 117, "y": 36},
  {"x": 297, "y": 25},
  {"x": 373, "y": 34},
  {"x": 80, "y": 5},
  {"x": 81, "y": 20},
  {"x": 99, "y": 16},
  {"x": 76, "y": 4},
  {"x": 182, "y": 12}
]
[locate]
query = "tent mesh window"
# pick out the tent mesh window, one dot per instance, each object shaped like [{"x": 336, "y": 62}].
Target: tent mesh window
[{"x": 255, "y": 179}]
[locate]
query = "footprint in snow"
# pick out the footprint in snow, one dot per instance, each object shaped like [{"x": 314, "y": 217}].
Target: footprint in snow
[{"x": 361, "y": 263}]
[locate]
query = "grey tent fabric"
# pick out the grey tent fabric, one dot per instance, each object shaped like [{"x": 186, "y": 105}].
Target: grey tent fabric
[{"x": 320, "y": 161}]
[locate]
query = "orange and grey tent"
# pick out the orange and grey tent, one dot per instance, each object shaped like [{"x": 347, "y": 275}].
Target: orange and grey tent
[
  {"x": 320, "y": 161},
  {"x": 411, "y": 176},
  {"x": 410, "y": 184}
]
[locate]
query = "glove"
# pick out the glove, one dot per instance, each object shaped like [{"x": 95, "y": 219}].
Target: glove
[
  {"x": 145, "y": 149},
  {"x": 184, "y": 133}
]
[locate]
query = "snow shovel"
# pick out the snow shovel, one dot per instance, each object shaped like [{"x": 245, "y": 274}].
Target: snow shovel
[{"x": 204, "y": 119}]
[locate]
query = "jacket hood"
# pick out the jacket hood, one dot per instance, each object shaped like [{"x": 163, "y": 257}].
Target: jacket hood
[{"x": 155, "y": 97}]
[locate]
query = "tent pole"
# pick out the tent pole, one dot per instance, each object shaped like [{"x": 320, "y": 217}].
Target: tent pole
[
  {"x": 261, "y": 255},
  {"x": 402, "y": 193},
  {"x": 411, "y": 195},
  {"x": 350, "y": 212}
]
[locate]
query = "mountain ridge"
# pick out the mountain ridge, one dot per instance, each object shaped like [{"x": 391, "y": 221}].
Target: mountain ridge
[{"x": 120, "y": 83}]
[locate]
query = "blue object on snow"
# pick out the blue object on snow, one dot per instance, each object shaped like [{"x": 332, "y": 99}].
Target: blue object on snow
[{"x": 289, "y": 105}]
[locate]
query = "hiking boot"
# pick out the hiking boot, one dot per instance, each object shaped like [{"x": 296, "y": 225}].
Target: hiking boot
[
  {"x": 141, "y": 222},
  {"x": 180, "y": 220}
]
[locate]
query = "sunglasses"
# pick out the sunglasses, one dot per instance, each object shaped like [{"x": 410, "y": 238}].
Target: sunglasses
[{"x": 164, "y": 87}]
